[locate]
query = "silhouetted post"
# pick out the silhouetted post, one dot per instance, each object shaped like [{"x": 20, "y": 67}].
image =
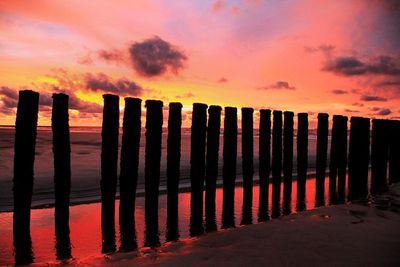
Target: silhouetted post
[
  {"x": 287, "y": 160},
  {"x": 109, "y": 162},
  {"x": 229, "y": 167},
  {"x": 154, "y": 122},
  {"x": 24, "y": 157},
  {"x": 338, "y": 159},
  {"x": 197, "y": 169},
  {"x": 62, "y": 173},
  {"x": 129, "y": 172},
  {"x": 379, "y": 156},
  {"x": 302, "y": 159},
  {"x": 359, "y": 157},
  {"x": 394, "y": 152},
  {"x": 264, "y": 162},
  {"x": 276, "y": 162},
  {"x": 248, "y": 168},
  {"x": 213, "y": 131},
  {"x": 173, "y": 168},
  {"x": 322, "y": 150}
]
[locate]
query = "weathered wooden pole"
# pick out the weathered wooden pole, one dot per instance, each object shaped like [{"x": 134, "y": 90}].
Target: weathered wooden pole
[
  {"x": 129, "y": 172},
  {"x": 276, "y": 162},
  {"x": 173, "y": 169},
  {"x": 109, "y": 162},
  {"x": 62, "y": 173},
  {"x": 154, "y": 122},
  {"x": 229, "y": 167},
  {"x": 287, "y": 160},
  {"x": 338, "y": 159},
  {"x": 394, "y": 152},
  {"x": 197, "y": 168},
  {"x": 264, "y": 162},
  {"x": 302, "y": 159},
  {"x": 359, "y": 157},
  {"x": 379, "y": 156},
  {"x": 322, "y": 150},
  {"x": 248, "y": 167},
  {"x": 24, "y": 157},
  {"x": 213, "y": 132}
]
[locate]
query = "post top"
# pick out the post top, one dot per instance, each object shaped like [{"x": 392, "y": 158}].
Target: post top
[
  {"x": 247, "y": 109},
  {"x": 200, "y": 105},
  {"x": 133, "y": 100},
  {"x": 288, "y": 114},
  {"x": 175, "y": 105},
  {"x": 154, "y": 103},
  {"x": 323, "y": 115},
  {"x": 230, "y": 109},
  {"x": 28, "y": 93},
  {"x": 60, "y": 96},
  {"x": 302, "y": 114},
  {"x": 277, "y": 112},
  {"x": 110, "y": 97},
  {"x": 265, "y": 111},
  {"x": 214, "y": 108}
]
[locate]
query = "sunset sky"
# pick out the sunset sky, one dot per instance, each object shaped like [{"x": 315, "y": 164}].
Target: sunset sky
[{"x": 340, "y": 57}]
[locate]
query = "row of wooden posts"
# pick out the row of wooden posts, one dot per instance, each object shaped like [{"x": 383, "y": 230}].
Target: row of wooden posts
[{"x": 204, "y": 164}]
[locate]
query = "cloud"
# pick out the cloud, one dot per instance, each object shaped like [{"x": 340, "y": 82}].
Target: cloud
[
  {"x": 279, "y": 85},
  {"x": 352, "y": 66},
  {"x": 351, "y": 110},
  {"x": 388, "y": 84},
  {"x": 185, "y": 95},
  {"x": 155, "y": 57},
  {"x": 368, "y": 98},
  {"x": 222, "y": 80},
  {"x": 356, "y": 104},
  {"x": 339, "y": 92},
  {"x": 113, "y": 55},
  {"x": 384, "y": 112},
  {"x": 85, "y": 60},
  {"x": 101, "y": 82}
]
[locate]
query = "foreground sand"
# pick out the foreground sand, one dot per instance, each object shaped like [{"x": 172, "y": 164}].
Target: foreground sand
[{"x": 342, "y": 235}]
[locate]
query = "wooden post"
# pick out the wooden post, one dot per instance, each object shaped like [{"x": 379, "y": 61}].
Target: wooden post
[
  {"x": 248, "y": 168},
  {"x": 129, "y": 172},
  {"x": 62, "y": 173},
  {"x": 394, "y": 152},
  {"x": 287, "y": 160},
  {"x": 302, "y": 159},
  {"x": 322, "y": 150},
  {"x": 24, "y": 157},
  {"x": 109, "y": 162},
  {"x": 229, "y": 167},
  {"x": 197, "y": 169},
  {"x": 154, "y": 122},
  {"x": 359, "y": 157},
  {"x": 338, "y": 159},
  {"x": 276, "y": 162},
  {"x": 173, "y": 169},
  {"x": 264, "y": 163},
  {"x": 213, "y": 132},
  {"x": 379, "y": 156}
]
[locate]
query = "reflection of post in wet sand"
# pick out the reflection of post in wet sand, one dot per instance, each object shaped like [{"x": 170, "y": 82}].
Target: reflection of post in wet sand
[{"x": 24, "y": 157}]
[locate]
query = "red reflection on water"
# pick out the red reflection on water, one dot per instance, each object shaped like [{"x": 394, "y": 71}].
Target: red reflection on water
[{"x": 86, "y": 229}]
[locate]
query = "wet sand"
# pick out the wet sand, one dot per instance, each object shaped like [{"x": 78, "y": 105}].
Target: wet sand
[{"x": 342, "y": 235}]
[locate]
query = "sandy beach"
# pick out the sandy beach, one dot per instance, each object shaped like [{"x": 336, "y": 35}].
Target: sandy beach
[{"x": 341, "y": 235}]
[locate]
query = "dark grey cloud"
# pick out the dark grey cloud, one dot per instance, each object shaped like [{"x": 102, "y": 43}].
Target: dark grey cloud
[
  {"x": 368, "y": 98},
  {"x": 103, "y": 83},
  {"x": 339, "y": 92},
  {"x": 222, "y": 80},
  {"x": 388, "y": 84},
  {"x": 279, "y": 85},
  {"x": 155, "y": 57},
  {"x": 352, "y": 66}
]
